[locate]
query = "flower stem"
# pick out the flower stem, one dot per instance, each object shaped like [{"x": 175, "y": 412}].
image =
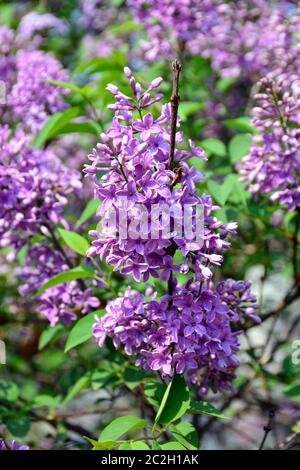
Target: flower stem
[{"x": 175, "y": 99}]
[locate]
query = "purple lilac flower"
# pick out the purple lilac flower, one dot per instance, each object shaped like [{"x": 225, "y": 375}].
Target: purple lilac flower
[
  {"x": 33, "y": 99},
  {"x": 96, "y": 18},
  {"x": 34, "y": 186},
  {"x": 103, "y": 46},
  {"x": 189, "y": 330},
  {"x": 14, "y": 446},
  {"x": 244, "y": 41},
  {"x": 238, "y": 297},
  {"x": 6, "y": 61},
  {"x": 34, "y": 24},
  {"x": 248, "y": 37},
  {"x": 137, "y": 176},
  {"x": 28, "y": 38},
  {"x": 272, "y": 166},
  {"x": 171, "y": 25},
  {"x": 193, "y": 336},
  {"x": 241, "y": 37},
  {"x": 97, "y": 14},
  {"x": 60, "y": 303}
]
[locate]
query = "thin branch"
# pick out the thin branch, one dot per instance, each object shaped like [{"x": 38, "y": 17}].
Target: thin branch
[
  {"x": 268, "y": 428},
  {"x": 175, "y": 99},
  {"x": 58, "y": 246},
  {"x": 290, "y": 297}
]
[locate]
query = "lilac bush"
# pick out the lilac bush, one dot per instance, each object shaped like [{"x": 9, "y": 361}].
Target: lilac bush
[{"x": 126, "y": 300}]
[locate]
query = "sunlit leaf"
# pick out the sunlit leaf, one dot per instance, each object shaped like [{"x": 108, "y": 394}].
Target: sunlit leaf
[{"x": 120, "y": 426}]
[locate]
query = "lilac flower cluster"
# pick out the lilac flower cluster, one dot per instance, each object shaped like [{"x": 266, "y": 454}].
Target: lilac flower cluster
[
  {"x": 135, "y": 158},
  {"x": 97, "y": 14},
  {"x": 189, "y": 332},
  {"x": 272, "y": 166},
  {"x": 34, "y": 186},
  {"x": 34, "y": 25},
  {"x": 241, "y": 37},
  {"x": 6, "y": 60},
  {"x": 171, "y": 25},
  {"x": 96, "y": 17},
  {"x": 248, "y": 38},
  {"x": 32, "y": 98},
  {"x": 26, "y": 72},
  {"x": 189, "y": 329},
  {"x": 244, "y": 40},
  {"x": 60, "y": 303},
  {"x": 14, "y": 446}
]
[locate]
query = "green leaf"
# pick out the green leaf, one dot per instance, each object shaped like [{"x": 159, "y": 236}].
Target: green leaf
[
  {"x": 82, "y": 330},
  {"x": 133, "y": 377},
  {"x": 239, "y": 147},
  {"x": 89, "y": 211},
  {"x": 292, "y": 124},
  {"x": 81, "y": 128},
  {"x": 242, "y": 124},
  {"x": 196, "y": 163},
  {"x": 45, "y": 400},
  {"x": 224, "y": 84},
  {"x": 188, "y": 107},
  {"x": 186, "y": 434},
  {"x": 68, "y": 86},
  {"x": 18, "y": 424},
  {"x": 221, "y": 192},
  {"x": 289, "y": 368},
  {"x": 74, "y": 241},
  {"x": 175, "y": 402},
  {"x": 51, "y": 334},
  {"x": 154, "y": 392},
  {"x": 64, "y": 277},
  {"x": 101, "y": 64},
  {"x": 9, "y": 391},
  {"x": 239, "y": 194},
  {"x": 82, "y": 382},
  {"x": 214, "y": 146},
  {"x": 155, "y": 446},
  {"x": 296, "y": 427},
  {"x": 108, "y": 445},
  {"x": 120, "y": 426},
  {"x": 7, "y": 14},
  {"x": 139, "y": 445},
  {"x": 130, "y": 445},
  {"x": 126, "y": 27},
  {"x": 54, "y": 124},
  {"x": 293, "y": 391},
  {"x": 205, "y": 408},
  {"x": 125, "y": 446},
  {"x": 102, "y": 377},
  {"x": 172, "y": 445}
]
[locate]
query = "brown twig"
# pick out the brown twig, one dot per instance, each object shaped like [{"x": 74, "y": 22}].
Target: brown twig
[
  {"x": 268, "y": 428},
  {"x": 292, "y": 295},
  {"x": 175, "y": 99}
]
